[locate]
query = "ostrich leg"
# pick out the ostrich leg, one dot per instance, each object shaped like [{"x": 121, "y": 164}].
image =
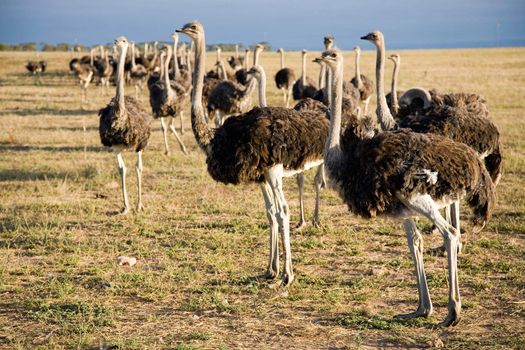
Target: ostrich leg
[
  {"x": 300, "y": 184},
  {"x": 139, "y": 168},
  {"x": 122, "y": 171},
  {"x": 181, "y": 114},
  {"x": 172, "y": 127},
  {"x": 165, "y": 135},
  {"x": 319, "y": 181},
  {"x": 273, "y": 262}
]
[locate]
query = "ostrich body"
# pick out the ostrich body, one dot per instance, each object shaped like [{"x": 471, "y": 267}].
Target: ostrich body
[
  {"x": 393, "y": 98},
  {"x": 303, "y": 87},
  {"x": 36, "y": 67},
  {"x": 405, "y": 174},
  {"x": 166, "y": 100},
  {"x": 240, "y": 74},
  {"x": 260, "y": 146},
  {"x": 125, "y": 125},
  {"x": 103, "y": 68},
  {"x": 284, "y": 79},
  {"x": 138, "y": 73},
  {"x": 456, "y": 123},
  {"x": 361, "y": 81}
]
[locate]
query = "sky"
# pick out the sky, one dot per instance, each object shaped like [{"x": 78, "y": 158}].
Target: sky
[{"x": 291, "y": 24}]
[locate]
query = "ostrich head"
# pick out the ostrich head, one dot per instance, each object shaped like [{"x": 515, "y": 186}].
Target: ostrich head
[
  {"x": 121, "y": 42},
  {"x": 193, "y": 29},
  {"x": 333, "y": 58},
  {"x": 255, "y": 72},
  {"x": 279, "y": 50},
  {"x": 328, "y": 42},
  {"x": 394, "y": 57},
  {"x": 304, "y": 52},
  {"x": 357, "y": 49},
  {"x": 375, "y": 38},
  {"x": 415, "y": 98},
  {"x": 174, "y": 36}
]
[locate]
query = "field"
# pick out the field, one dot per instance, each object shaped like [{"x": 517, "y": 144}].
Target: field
[{"x": 199, "y": 243}]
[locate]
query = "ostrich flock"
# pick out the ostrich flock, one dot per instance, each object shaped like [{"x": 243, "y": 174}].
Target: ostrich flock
[{"x": 426, "y": 152}]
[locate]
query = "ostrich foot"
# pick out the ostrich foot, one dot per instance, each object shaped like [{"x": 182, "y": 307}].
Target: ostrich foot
[
  {"x": 287, "y": 280},
  {"x": 166, "y": 153},
  {"x": 316, "y": 223},
  {"x": 300, "y": 225},
  {"x": 184, "y": 150},
  {"x": 452, "y": 319},
  {"x": 140, "y": 207},
  {"x": 420, "y": 312},
  {"x": 437, "y": 251}
]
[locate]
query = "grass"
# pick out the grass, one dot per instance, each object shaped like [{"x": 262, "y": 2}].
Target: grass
[{"x": 200, "y": 244}]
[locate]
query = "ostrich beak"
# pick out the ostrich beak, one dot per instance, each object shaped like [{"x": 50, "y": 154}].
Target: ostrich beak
[{"x": 367, "y": 37}]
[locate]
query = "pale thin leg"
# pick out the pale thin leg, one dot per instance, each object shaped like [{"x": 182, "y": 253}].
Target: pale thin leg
[
  {"x": 181, "y": 144},
  {"x": 319, "y": 179},
  {"x": 136, "y": 92},
  {"x": 269, "y": 202},
  {"x": 300, "y": 184},
  {"x": 122, "y": 171},
  {"x": 165, "y": 135},
  {"x": 139, "y": 168},
  {"x": 283, "y": 90},
  {"x": 367, "y": 101},
  {"x": 275, "y": 177},
  {"x": 452, "y": 218},
  {"x": 415, "y": 244},
  {"x": 218, "y": 118},
  {"x": 289, "y": 98},
  {"x": 426, "y": 206},
  {"x": 181, "y": 114}
]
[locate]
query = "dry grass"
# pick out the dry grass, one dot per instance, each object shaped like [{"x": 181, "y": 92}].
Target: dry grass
[{"x": 199, "y": 243}]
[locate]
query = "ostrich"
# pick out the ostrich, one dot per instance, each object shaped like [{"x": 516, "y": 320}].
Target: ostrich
[
  {"x": 391, "y": 97},
  {"x": 260, "y": 146},
  {"x": 181, "y": 77},
  {"x": 305, "y": 86},
  {"x": 404, "y": 174},
  {"x": 166, "y": 99},
  {"x": 137, "y": 73},
  {"x": 310, "y": 105},
  {"x": 104, "y": 68},
  {"x": 361, "y": 81},
  {"x": 36, "y": 68},
  {"x": 229, "y": 97},
  {"x": 284, "y": 79},
  {"x": 125, "y": 125},
  {"x": 457, "y": 123},
  {"x": 240, "y": 74},
  {"x": 84, "y": 74}
]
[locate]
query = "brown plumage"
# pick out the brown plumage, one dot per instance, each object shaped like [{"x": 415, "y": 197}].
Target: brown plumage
[
  {"x": 261, "y": 146},
  {"x": 36, "y": 67},
  {"x": 125, "y": 125},
  {"x": 284, "y": 79},
  {"x": 406, "y": 174},
  {"x": 364, "y": 84}
]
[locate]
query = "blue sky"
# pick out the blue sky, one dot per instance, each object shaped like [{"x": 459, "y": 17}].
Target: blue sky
[{"x": 291, "y": 24}]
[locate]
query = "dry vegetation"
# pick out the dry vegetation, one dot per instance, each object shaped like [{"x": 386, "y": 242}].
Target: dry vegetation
[{"x": 200, "y": 243}]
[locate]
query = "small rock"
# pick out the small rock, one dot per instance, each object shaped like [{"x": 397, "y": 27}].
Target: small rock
[{"x": 126, "y": 260}]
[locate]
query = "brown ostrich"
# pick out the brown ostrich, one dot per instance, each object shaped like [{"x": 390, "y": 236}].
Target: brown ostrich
[
  {"x": 125, "y": 125},
  {"x": 260, "y": 146},
  {"x": 240, "y": 74},
  {"x": 284, "y": 80},
  {"x": 180, "y": 76},
  {"x": 167, "y": 99},
  {"x": 403, "y": 174},
  {"x": 361, "y": 81},
  {"x": 84, "y": 73},
  {"x": 138, "y": 73},
  {"x": 37, "y": 68},
  {"x": 393, "y": 98},
  {"x": 453, "y": 121},
  {"x": 303, "y": 87}
]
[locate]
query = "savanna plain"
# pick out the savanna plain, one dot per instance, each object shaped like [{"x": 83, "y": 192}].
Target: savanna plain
[{"x": 199, "y": 244}]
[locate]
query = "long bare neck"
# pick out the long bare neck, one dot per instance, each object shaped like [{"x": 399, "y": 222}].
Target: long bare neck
[
  {"x": 91, "y": 57},
  {"x": 162, "y": 58},
  {"x": 176, "y": 71},
  {"x": 383, "y": 113},
  {"x": 246, "y": 58},
  {"x": 201, "y": 129},
  {"x": 358, "y": 69},
  {"x": 256, "y": 57},
  {"x": 328, "y": 85},
  {"x": 222, "y": 71},
  {"x": 303, "y": 70},
  {"x": 252, "y": 84},
  {"x": 167, "y": 73},
  {"x": 146, "y": 49},
  {"x": 393, "y": 94},
  {"x": 119, "y": 97},
  {"x": 236, "y": 51},
  {"x": 262, "y": 89},
  {"x": 133, "y": 55},
  {"x": 332, "y": 152},
  {"x": 322, "y": 76},
  {"x": 282, "y": 59},
  {"x": 183, "y": 53}
]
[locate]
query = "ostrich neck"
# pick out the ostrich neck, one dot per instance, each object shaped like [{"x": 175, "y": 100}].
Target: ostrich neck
[
  {"x": 256, "y": 57},
  {"x": 222, "y": 71},
  {"x": 119, "y": 97},
  {"x": 91, "y": 57},
  {"x": 237, "y": 51},
  {"x": 201, "y": 129},
  {"x": 246, "y": 58},
  {"x": 328, "y": 86},
  {"x": 249, "y": 89},
  {"x": 169, "y": 90},
  {"x": 262, "y": 90},
  {"x": 393, "y": 94},
  {"x": 383, "y": 113},
  {"x": 322, "y": 76},
  {"x": 332, "y": 152},
  {"x": 161, "y": 67},
  {"x": 176, "y": 71},
  {"x": 133, "y": 55},
  {"x": 358, "y": 70},
  {"x": 146, "y": 49},
  {"x": 303, "y": 70},
  {"x": 282, "y": 59}
]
